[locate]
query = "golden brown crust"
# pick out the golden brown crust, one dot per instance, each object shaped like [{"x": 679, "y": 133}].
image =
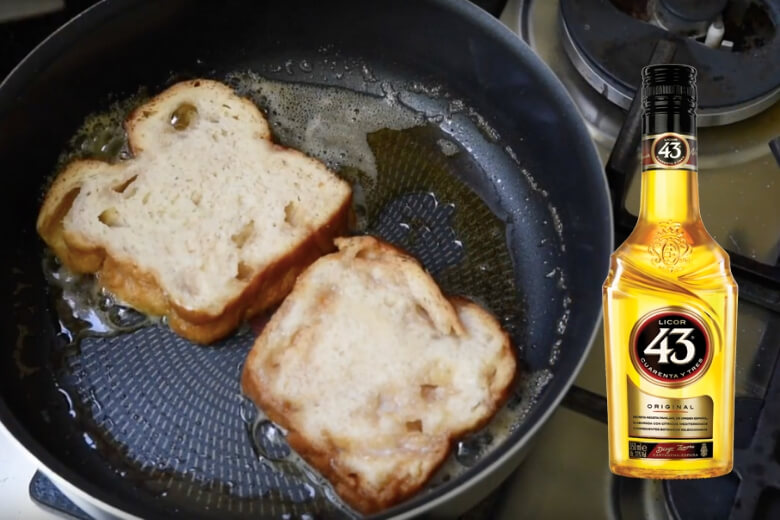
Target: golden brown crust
[
  {"x": 348, "y": 484},
  {"x": 58, "y": 201},
  {"x": 142, "y": 291},
  {"x": 140, "y": 288}
]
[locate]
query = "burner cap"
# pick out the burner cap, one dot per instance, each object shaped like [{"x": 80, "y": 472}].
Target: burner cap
[
  {"x": 694, "y": 11},
  {"x": 610, "y": 41},
  {"x": 685, "y": 17}
]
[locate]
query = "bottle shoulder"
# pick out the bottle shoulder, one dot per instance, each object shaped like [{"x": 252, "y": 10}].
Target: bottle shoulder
[{"x": 672, "y": 252}]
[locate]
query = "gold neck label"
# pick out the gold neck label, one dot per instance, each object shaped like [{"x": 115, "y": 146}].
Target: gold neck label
[{"x": 669, "y": 151}]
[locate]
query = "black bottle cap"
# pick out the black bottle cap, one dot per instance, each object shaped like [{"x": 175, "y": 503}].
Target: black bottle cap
[{"x": 669, "y": 88}]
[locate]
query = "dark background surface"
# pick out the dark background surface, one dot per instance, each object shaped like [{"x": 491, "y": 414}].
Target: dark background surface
[{"x": 19, "y": 37}]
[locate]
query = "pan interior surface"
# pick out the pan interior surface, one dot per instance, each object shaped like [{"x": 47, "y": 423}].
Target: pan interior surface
[
  {"x": 140, "y": 417},
  {"x": 170, "y": 415}
]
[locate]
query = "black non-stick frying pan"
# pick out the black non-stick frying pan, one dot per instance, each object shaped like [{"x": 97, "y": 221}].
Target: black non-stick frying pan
[{"x": 492, "y": 181}]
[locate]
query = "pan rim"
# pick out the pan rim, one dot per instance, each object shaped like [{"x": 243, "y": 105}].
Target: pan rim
[
  {"x": 52, "y": 474},
  {"x": 486, "y": 467}
]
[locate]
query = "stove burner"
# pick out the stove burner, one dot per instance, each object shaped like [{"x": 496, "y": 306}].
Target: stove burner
[
  {"x": 695, "y": 11},
  {"x": 608, "y": 41},
  {"x": 686, "y": 17}
]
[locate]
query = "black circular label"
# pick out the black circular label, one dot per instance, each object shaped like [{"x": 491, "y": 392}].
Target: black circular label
[
  {"x": 670, "y": 150},
  {"x": 671, "y": 347}
]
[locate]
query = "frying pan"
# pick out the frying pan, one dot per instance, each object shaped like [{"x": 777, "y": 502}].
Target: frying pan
[{"x": 145, "y": 424}]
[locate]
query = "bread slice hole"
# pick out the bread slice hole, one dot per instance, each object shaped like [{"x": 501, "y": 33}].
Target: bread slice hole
[
  {"x": 292, "y": 214},
  {"x": 243, "y": 272},
  {"x": 423, "y": 313},
  {"x": 120, "y": 188},
  {"x": 428, "y": 392},
  {"x": 414, "y": 426},
  {"x": 183, "y": 116},
  {"x": 243, "y": 234},
  {"x": 110, "y": 217}
]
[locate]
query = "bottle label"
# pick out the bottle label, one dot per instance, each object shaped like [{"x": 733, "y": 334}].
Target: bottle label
[
  {"x": 658, "y": 417},
  {"x": 670, "y": 450},
  {"x": 670, "y": 347},
  {"x": 669, "y": 150}
]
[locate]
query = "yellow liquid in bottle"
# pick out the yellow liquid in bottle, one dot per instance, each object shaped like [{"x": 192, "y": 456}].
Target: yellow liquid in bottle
[{"x": 669, "y": 262}]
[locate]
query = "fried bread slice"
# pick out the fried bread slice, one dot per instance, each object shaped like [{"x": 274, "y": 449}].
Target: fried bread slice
[
  {"x": 208, "y": 223},
  {"x": 373, "y": 372}
]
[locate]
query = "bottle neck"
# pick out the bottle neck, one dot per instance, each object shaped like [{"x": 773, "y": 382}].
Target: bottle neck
[{"x": 669, "y": 193}]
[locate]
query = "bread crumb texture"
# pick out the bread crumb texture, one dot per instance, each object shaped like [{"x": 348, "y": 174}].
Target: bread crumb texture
[
  {"x": 373, "y": 372},
  {"x": 208, "y": 223}
]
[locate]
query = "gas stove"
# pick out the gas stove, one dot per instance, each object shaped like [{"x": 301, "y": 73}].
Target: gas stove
[{"x": 596, "y": 48}]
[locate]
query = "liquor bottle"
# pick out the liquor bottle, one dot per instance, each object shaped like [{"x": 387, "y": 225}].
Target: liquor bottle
[{"x": 670, "y": 306}]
